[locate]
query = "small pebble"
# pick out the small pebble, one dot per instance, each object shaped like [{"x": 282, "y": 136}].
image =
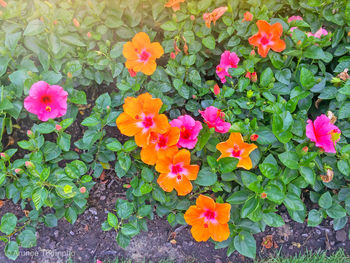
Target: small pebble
[
  {"x": 341, "y": 235},
  {"x": 56, "y": 233},
  {"x": 318, "y": 232},
  {"x": 304, "y": 235},
  {"x": 218, "y": 261},
  {"x": 103, "y": 197},
  {"x": 93, "y": 210},
  {"x": 72, "y": 233}
]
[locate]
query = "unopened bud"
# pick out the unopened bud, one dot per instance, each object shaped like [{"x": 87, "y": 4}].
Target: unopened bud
[
  {"x": 29, "y": 164},
  {"x": 305, "y": 149},
  {"x": 192, "y": 17},
  {"x": 88, "y": 34},
  {"x": 58, "y": 127},
  {"x": 127, "y": 186},
  {"x": 194, "y": 97},
  {"x": 254, "y": 137},
  {"x": 250, "y": 94},
  {"x": 252, "y": 53},
  {"x": 172, "y": 55},
  {"x": 4, "y": 156},
  {"x": 216, "y": 89},
  {"x": 76, "y": 22},
  {"x": 55, "y": 22},
  {"x": 18, "y": 171},
  {"x": 132, "y": 72},
  {"x": 29, "y": 133},
  {"x": 254, "y": 77},
  {"x": 82, "y": 190},
  {"x": 263, "y": 195},
  {"x": 69, "y": 75}
]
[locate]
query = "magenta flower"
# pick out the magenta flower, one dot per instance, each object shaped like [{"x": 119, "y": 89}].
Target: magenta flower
[
  {"x": 228, "y": 60},
  {"x": 46, "y": 101},
  {"x": 189, "y": 130},
  {"x": 323, "y": 133},
  {"x": 293, "y": 18},
  {"x": 214, "y": 118},
  {"x": 319, "y": 33}
]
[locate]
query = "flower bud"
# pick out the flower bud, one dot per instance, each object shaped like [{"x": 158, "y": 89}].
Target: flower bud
[
  {"x": 328, "y": 177},
  {"x": 254, "y": 137},
  {"x": 260, "y": 178},
  {"x": 194, "y": 97},
  {"x": 76, "y": 23},
  {"x": 88, "y": 34},
  {"x": 305, "y": 149},
  {"x": 82, "y": 190},
  {"x": 3, "y": 3},
  {"x": 250, "y": 94},
  {"x": 29, "y": 133},
  {"x": 18, "y": 171},
  {"x": 127, "y": 186},
  {"x": 132, "y": 72},
  {"x": 58, "y": 127},
  {"x": 29, "y": 165},
  {"x": 263, "y": 195},
  {"x": 69, "y": 75},
  {"x": 55, "y": 22},
  {"x": 252, "y": 53},
  {"x": 254, "y": 77},
  {"x": 216, "y": 89},
  {"x": 172, "y": 55},
  {"x": 248, "y": 75},
  {"x": 4, "y": 156},
  {"x": 192, "y": 17}
]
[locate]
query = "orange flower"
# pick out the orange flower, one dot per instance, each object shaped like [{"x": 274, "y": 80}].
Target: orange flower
[
  {"x": 247, "y": 16},
  {"x": 208, "y": 219},
  {"x": 141, "y": 54},
  {"x": 174, "y": 4},
  {"x": 176, "y": 172},
  {"x": 268, "y": 37},
  {"x": 236, "y": 147},
  {"x": 141, "y": 117},
  {"x": 213, "y": 16},
  {"x": 160, "y": 145}
]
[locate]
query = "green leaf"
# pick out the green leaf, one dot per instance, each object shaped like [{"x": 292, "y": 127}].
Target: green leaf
[
  {"x": 169, "y": 26},
  {"x": 27, "y": 239},
  {"x": 209, "y": 42},
  {"x": 71, "y": 215},
  {"x": 90, "y": 121},
  {"x": 274, "y": 193},
  {"x": 147, "y": 174},
  {"x": 249, "y": 206},
  {"x": 50, "y": 220},
  {"x": 8, "y": 223},
  {"x": 39, "y": 197},
  {"x": 239, "y": 197},
  {"x": 308, "y": 174},
  {"x": 73, "y": 40},
  {"x": 336, "y": 211},
  {"x": 124, "y": 161},
  {"x": 307, "y": 78},
  {"x": 314, "y": 52},
  {"x": 122, "y": 240},
  {"x": 114, "y": 146},
  {"x": 130, "y": 230},
  {"x": 266, "y": 77},
  {"x": 12, "y": 250},
  {"x": 79, "y": 97},
  {"x": 289, "y": 159},
  {"x": 273, "y": 219},
  {"x": 245, "y": 244},
  {"x": 227, "y": 164},
  {"x": 112, "y": 220},
  {"x": 124, "y": 209},
  {"x": 325, "y": 200},
  {"x": 293, "y": 202},
  {"x": 103, "y": 101},
  {"x": 315, "y": 218},
  {"x": 63, "y": 141},
  {"x": 45, "y": 128},
  {"x": 34, "y": 27},
  {"x": 344, "y": 111},
  {"x": 206, "y": 177}
]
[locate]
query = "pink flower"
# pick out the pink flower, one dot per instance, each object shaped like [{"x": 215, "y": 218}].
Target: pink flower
[
  {"x": 293, "y": 18},
  {"x": 228, "y": 60},
  {"x": 292, "y": 29},
  {"x": 46, "y": 101},
  {"x": 319, "y": 33},
  {"x": 214, "y": 118},
  {"x": 323, "y": 133},
  {"x": 189, "y": 130}
]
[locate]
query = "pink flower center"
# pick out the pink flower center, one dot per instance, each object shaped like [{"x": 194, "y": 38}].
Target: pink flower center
[
  {"x": 185, "y": 134},
  {"x": 46, "y": 99},
  {"x": 176, "y": 169},
  {"x": 264, "y": 40},
  {"x": 236, "y": 152},
  {"x": 144, "y": 56},
  {"x": 209, "y": 215},
  {"x": 147, "y": 122}
]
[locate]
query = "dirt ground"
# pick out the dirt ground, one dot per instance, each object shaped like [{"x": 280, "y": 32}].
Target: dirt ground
[{"x": 85, "y": 241}]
